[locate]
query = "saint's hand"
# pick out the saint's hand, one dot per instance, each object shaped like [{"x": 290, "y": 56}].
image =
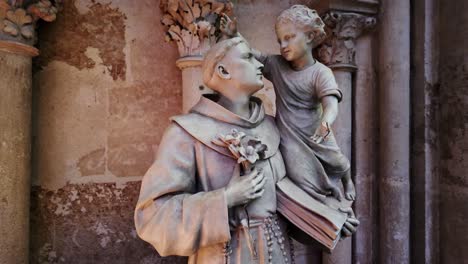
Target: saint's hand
[
  {"x": 241, "y": 190},
  {"x": 227, "y": 26},
  {"x": 351, "y": 224}
]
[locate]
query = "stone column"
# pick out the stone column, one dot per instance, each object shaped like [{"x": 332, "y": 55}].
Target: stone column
[
  {"x": 394, "y": 165},
  {"x": 17, "y": 35},
  {"x": 425, "y": 139},
  {"x": 338, "y": 53},
  {"x": 365, "y": 152},
  {"x": 192, "y": 26}
]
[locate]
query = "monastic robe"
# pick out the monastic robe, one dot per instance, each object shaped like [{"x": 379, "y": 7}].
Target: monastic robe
[
  {"x": 316, "y": 168},
  {"x": 182, "y": 207}
]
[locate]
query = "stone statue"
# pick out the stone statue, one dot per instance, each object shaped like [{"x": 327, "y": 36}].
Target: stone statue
[
  {"x": 307, "y": 97},
  {"x": 196, "y": 200}
]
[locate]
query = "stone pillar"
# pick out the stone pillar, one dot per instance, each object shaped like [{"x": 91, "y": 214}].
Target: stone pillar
[
  {"x": 15, "y": 144},
  {"x": 365, "y": 152},
  {"x": 424, "y": 121},
  {"x": 17, "y": 22},
  {"x": 394, "y": 164},
  {"x": 192, "y": 26},
  {"x": 338, "y": 53}
]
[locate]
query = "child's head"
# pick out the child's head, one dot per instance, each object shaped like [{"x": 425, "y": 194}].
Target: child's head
[{"x": 299, "y": 29}]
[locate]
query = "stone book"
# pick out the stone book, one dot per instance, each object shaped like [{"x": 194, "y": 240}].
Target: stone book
[{"x": 322, "y": 222}]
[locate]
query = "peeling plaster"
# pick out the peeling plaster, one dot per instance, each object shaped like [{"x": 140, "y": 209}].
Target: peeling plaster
[
  {"x": 88, "y": 223},
  {"x": 101, "y": 27}
]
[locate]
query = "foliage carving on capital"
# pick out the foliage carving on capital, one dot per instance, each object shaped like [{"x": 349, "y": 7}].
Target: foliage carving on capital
[
  {"x": 192, "y": 23},
  {"x": 18, "y": 18},
  {"x": 339, "y": 49}
]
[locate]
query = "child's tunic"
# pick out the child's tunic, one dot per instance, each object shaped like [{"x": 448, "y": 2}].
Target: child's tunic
[{"x": 314, "y": 167}]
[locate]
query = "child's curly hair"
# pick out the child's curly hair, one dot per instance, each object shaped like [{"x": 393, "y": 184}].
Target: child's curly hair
[{"x": 307, "y": 19}]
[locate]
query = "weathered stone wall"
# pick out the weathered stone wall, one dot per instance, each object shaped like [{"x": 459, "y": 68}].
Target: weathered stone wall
[
  {"x": 105, "y": 86},
  {"x": 453, "y": 132}
]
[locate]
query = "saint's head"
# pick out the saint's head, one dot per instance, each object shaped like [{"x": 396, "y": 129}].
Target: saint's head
[{"x": 230, "y": 69}]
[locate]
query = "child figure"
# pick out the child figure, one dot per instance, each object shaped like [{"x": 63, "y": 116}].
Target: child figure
[{"x": 307, "y": 97}]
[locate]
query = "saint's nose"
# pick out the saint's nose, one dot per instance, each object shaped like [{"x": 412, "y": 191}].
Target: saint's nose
[
  {"x": 260, "y": 65},
  {"x": 284, "y": 44}
]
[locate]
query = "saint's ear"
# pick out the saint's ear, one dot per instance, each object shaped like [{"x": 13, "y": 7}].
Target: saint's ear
[
  {"x": 222, "y": 72},
  {"x": 310, "y": 37}
]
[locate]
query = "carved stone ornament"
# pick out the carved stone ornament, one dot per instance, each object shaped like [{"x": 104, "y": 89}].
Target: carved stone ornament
[
  {"x": 18, "y": 18},
  {"x": 339, "y": 49},
  {"x": 191, "y": 23}
]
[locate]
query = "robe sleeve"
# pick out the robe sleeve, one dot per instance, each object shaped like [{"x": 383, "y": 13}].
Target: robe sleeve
[{"x": 170, "y": 214}]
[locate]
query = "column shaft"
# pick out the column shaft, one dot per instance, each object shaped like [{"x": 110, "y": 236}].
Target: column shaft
[
  {"x": 394, "y": 74},
  {"x": 365, "y": 153},
  {"x": 15, "y": 144},
  {"x": 192, "y": 83},
  {"x": 342, "y": 128}
]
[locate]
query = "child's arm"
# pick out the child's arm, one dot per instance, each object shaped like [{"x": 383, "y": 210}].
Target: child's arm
[{"x": 330, "y": 111}]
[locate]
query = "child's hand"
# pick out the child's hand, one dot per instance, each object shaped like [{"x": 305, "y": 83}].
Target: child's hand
[
  {"x": 322, "y": 132},
  {"x": 227, "y": 26},
  {"x": 351, "y": 224}
]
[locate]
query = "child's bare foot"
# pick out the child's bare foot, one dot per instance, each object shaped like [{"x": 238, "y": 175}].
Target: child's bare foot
[
  {"x": 336, "y": 192},
  {"x": 349, "y": 190}
]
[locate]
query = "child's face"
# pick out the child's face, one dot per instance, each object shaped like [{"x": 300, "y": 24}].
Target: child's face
[{"x": 294, "y": 43}]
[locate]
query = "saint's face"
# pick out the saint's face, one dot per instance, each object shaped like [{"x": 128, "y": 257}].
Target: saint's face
[
  {"x": 293, "y": 41},
  {"x": 244, "y": 69}
]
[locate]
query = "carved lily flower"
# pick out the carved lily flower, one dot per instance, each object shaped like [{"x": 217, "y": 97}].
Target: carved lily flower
[
  {"x": 17, "y": 22},
  {"x": 248, "y": 154},
  {"x": 260, "y": 148},
  {"x": 234, "y": 138},
  {"x": 254, "y": 151}
]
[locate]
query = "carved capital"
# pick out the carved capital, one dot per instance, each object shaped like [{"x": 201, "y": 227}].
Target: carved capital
[
  {"x": 339, "y": 49},
  {"x": 18, "y": 19},
  {"x": 192, "y": 23}
]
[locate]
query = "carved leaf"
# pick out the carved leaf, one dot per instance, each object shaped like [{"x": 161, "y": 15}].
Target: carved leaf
[
  {"x": 196, "y": 11},
  {"x": 10, "y": 28},
  {"x": 167, "y": 20},
  {"x": 175, "y": 29},
  {"x": 27, "y": 31},
  {"x": 325, "y": 53},
  {"x": 19, "y": 17},
  {"x": 172, "y": 6},
  {"x": 205, "y": 10},
  {"x": 44, "y": 10},
  {"x": 167, "y": 37},
  {"x": 2, "y": 17},
  {"x": 4, "y": 6},
  {"x": 186, "y": 13}
]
